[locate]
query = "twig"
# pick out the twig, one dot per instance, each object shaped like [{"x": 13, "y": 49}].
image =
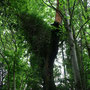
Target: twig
[{"x": 81, "y": 28}]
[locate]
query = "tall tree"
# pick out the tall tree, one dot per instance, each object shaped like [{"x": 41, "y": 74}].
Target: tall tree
[{"x": 68, "y": 27}]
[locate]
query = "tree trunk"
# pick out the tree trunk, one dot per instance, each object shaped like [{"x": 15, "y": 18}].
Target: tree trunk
[
  {"x": 75, "y": 66},
  {"x": 87, "y": 45},
  {"x": 82, "y": 66},
  {"x": 80, "y": 59},
  {"x": 48, "y": 76},
  {"x": 64, "y": 65},
  {"x": 8, "y": 82},
  {"x": 49, "y": 60},
  {"x": 14, "y": 81}
]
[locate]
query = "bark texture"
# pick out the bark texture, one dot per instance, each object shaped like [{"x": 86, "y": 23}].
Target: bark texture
[
  {"x": 14, "y": 81},
  {"x": 75, "y": 67},
  {"x": 49, "y": 60}
]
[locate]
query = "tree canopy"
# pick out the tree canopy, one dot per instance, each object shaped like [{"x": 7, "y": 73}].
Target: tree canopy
[{"x": 44, "y": 45}]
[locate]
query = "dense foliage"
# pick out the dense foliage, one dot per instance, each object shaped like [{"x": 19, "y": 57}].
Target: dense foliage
[{"x": 35, "y": 54}]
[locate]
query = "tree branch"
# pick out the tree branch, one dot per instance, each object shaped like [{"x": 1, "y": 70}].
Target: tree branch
[
  {"x": 81, "y": 28},
  {"x": 4, "y": 58},
  {"x": 71, "y": 15},
  {"x": 51, "y": 6}
]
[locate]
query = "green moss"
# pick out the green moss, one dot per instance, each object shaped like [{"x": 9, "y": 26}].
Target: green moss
[{"x": 36, "y": 32}]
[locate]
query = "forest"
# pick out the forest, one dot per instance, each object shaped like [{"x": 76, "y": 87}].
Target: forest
[{"x": 44, "y": 45}]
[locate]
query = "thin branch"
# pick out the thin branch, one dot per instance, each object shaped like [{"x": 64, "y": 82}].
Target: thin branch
[
  {"x": 69, "y": 7},
  {"x": 2, "y": 42},
  {"x": 4, "y": 58},
  {"x": 81, "y": 28},
  {"x": 71, "y": 15},
  {"x": 51, "y": 6},
  {"x": 13, "y": 38}
]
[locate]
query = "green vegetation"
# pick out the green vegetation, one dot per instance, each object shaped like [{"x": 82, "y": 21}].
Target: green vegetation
[{"x": 37, "y": 52}]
